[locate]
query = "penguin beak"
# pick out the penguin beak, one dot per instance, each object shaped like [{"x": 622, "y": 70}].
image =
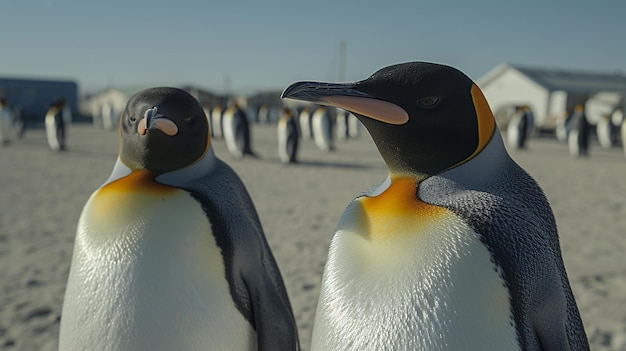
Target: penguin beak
[
  {"x": 347, "y": 97},
  {"x": 154, "y": 120}
]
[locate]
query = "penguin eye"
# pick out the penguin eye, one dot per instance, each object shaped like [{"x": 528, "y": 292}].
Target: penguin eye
[
  {"x": 428, "y": 102},
  {"x": 188, "y": 119}
]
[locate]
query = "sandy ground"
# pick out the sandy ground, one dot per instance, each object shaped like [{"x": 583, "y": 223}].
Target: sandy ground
[{"x": 42, "y": 193}]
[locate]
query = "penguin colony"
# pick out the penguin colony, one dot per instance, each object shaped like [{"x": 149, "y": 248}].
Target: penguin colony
[
  {"x": 457, "y": 249},
  {"x": 169, "y": 252}
]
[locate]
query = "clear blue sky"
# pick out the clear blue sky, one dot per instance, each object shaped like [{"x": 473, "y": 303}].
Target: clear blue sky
[{"x": 251, "y": 45}]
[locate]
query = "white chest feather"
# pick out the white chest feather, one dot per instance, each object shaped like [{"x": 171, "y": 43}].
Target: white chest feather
[
  {"x": 429, "y": 286},
  {"x": 147, "y": 275}
]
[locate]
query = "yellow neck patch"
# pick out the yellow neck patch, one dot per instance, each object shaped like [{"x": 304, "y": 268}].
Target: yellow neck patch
[
  {"x": 398, "y": 210},
  {"x": 129, "y": 197},
  {"x": 138, "y": 181}
]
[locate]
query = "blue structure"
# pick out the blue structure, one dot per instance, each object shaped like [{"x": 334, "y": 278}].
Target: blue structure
[{"x": 33, "y": 97}]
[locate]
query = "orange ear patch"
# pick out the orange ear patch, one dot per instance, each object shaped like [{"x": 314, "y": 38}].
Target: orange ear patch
[{"x": 486, "y": 121}]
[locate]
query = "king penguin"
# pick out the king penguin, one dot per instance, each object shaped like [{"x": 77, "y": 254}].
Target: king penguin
[
  {"x": 322, "y": 127},
  {"x": 578, "y": 137},
  {"x": 6, "y": 123},
  {"x": 623, "y": 134},
  {"x": 216, "y": 122},
  {"x": 457, "y": 249},
  {"x": 341, "y": 116},
  {"x": 287, "y": 137},
  {"x": 518, "y": 128},
  {"x": 236, "y": 132},
  {"x": 55, "y": 126},
  {"x": 169, "y": 252},
  {"x": 304, "y": 120}
]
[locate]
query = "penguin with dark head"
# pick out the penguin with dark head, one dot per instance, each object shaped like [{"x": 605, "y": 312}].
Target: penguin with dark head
[
  {"x": 162, "y": 130},
  {"x": 418, "y": 107},
  {"x": 171, "y": 247},
  {"x": 457, "y": 249},
  {"x": 287, "y": 128},
  {"x": 55, "y": 125}
]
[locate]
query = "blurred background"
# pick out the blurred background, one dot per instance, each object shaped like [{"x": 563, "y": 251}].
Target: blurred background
[
  {"x": 554, "y": 73},
  {"x": 549, "y": 56}
]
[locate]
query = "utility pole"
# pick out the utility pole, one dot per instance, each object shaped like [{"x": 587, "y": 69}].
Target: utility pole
[{"x": 343, "y": 51}]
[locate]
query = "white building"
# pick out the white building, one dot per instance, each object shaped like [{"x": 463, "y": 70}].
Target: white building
[
  {"x": 551, "y": 93},
  {"x": 106, "y": 107}
]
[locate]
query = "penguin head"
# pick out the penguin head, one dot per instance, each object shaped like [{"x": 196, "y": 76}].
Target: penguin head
[
  {"x": 425, "y": 118},
  {"x": 162, "y": 130}
]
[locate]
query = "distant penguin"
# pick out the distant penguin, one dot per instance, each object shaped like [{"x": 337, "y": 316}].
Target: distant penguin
[
  {"x": 607, "y": 128},
  {"x": 263, "y": 114},
  {"x": 55, "y": 126},
  {"x": 236, "y": 129},
  {"x": 578, "y": 137},
  {"x": 170, "y": 253},
  {"x": 216, "y": 122},
  {"x": 207, "y": 113},
  {"x": 6, "y": 123},
  {"x": 617, "y": 117},
  {"x": 530, "y": 118},
  {"x": 287, "y": 137},
  {"x": 457, "y": 249},
  {"x": 354, "y": 126},
  {"x": 623, "y": 135},
  {"x": 322, "y": 127},
  {"x": 343, "y": 132},
  {"x": 19, "y": 125},
  {"x": 563, "y": 126},
  {"x": 304, "y": 120},
  {"x": 517, "y": 129},
  {"x": 347, "y": 125},
  {"x": 109, "y": 117},
  {"x": 604, "y": 131}
]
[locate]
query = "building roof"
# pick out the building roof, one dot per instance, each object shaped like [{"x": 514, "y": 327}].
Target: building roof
[
  {"x": 124, "y": 90},
  {"x": 14, "y": 80},
  {"x": 560, "y": 79}
]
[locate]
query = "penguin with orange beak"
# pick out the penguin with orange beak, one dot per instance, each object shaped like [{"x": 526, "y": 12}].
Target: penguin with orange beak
[
  {"x": 169, "y": 252},
  {"x": 457, "y": 249}
]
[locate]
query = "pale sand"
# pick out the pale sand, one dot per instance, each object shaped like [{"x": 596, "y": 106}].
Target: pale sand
[{"x": 43, "y": 192}]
